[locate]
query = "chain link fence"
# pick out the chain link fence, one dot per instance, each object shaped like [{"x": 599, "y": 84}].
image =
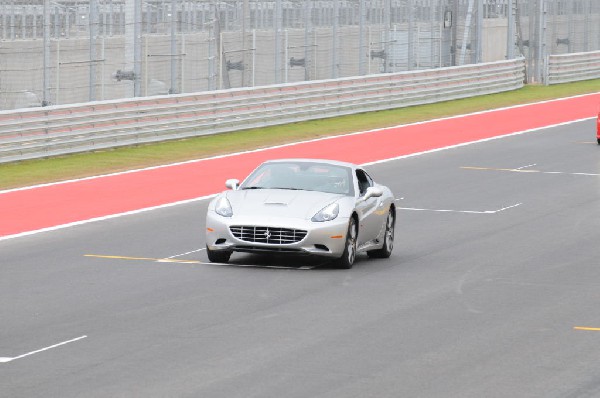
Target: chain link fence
[{"x": 70, "y": 51}]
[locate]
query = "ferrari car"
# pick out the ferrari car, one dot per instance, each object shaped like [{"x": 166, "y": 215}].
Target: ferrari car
[{"x": 303, "y": 206}]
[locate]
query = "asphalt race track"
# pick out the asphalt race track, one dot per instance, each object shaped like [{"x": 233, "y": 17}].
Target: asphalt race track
[{"x": 493, "y": 290}]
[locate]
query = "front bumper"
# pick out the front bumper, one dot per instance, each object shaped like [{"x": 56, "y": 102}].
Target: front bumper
[{"x": 323, "y": 238}]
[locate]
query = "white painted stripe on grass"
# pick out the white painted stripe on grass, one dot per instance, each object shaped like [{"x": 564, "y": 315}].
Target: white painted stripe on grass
[{"x": 302, "y": 142}]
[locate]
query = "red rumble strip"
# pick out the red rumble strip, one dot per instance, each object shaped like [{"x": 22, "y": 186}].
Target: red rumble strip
[{"x": 37, "y": 208}]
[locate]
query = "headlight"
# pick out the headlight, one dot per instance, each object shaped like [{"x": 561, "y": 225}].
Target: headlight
[
  {"x": 327, "y": 213},
  {"x": 223, "y": 207}
]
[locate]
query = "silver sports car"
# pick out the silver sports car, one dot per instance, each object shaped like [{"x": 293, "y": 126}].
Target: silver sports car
[{"x": 302, "y": 206}]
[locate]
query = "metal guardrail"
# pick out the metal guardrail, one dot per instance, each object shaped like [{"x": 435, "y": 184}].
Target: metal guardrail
[
  {"x": 57, "y": 130},
  {"x": 572, "y": 67}
]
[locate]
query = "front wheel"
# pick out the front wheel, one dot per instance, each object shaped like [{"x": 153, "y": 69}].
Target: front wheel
[
  {"x": 388, "y": 239},
  {"x": 349, "y": 255},
  {"x": 218, "y": 256}
]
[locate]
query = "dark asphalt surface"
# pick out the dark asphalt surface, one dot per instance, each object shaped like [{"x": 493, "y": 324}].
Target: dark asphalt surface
[{"x": 476, "y": 301}]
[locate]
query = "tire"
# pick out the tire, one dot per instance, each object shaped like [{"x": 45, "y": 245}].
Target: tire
[
  {"x": 218, "y": 256},
  {"x": 598, "y": 141},
  {"x": 349, "y": 255},
  {"x": 388, "y": 239}
]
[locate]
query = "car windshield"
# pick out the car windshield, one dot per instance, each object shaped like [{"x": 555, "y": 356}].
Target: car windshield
[{"x": 305, "y": 176}]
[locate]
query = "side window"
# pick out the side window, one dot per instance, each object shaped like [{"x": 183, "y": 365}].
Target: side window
[{"x": 364, "y": 181}]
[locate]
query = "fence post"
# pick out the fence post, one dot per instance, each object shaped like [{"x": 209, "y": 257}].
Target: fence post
[
  {"x": 361, "y": 39},
  {"x": 510, "y": 32},
  {"x": 93, "y": 29},
  {"x": 46, "y": 44}
]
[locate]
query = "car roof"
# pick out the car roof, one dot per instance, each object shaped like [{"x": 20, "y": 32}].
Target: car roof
[{"x": 326, "y": 161}]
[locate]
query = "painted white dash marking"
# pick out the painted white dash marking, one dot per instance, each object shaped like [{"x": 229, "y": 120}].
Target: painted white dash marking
[
  {"x": 461, "y": 211},
  {"x": 525, "y": 167},
  {"x": 190, "y": 252},
  {"x": 8, "y": 359}
]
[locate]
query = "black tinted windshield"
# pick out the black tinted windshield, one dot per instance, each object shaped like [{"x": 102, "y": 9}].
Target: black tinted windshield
[{"x": 306, "y": 176}]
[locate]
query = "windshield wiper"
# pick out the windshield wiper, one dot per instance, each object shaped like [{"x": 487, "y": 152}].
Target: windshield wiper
[
  {"x": 253, "y": 188},
  {"x": 291, "y": 189}
]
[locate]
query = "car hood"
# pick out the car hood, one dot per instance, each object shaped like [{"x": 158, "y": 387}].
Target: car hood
[{"x": 279, "y": 202}]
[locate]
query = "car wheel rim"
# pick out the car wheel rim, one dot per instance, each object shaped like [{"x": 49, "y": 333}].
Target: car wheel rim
[
  {"x": 352, "y": 244},
  {"x": 389, "y": 234}
]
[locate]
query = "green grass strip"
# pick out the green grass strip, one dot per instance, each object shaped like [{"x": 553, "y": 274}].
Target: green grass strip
[{"x": 31, "y": 172}]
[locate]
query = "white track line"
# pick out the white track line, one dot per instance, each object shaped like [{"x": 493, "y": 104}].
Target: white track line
[
  {"x": 8, "y": 359},
  {"x": 190, "y": 252},
  {"x": 461, "y": 211}
]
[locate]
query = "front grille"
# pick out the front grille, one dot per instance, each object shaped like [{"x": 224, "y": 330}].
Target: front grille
[{"x": 270, "y": 235}]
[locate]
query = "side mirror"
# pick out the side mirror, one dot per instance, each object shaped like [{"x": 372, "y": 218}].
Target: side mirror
[
  {"x": 372, "y": 192},
  {"x": 232, "y": 184}
]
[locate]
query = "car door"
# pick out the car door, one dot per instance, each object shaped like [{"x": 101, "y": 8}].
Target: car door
[{"x": 369, "y": 212}]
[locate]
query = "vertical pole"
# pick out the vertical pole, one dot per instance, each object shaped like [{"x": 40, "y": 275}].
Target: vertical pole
[
  {"x": 137, "y": 49},
  {"x": 479, "y": 33},
  {"x": 467, "y": 32},
  {"x": 182, "y": 62},
  {"x": 386, "y": 33},
  {"x": 46, "y": 44},
  {"x": 395, "y": 60},
  {"x": 212, "y": 39},
  {"x": 12, "y": 20},
  {"x": 130, "y": 41},
  {"x": 93, "y": 26},
  {"x": 441, "y": 52},
  {"x": 369, "y": 51},
  {"x": 587, "y": 27},
  {"x": 432, "y": 30},
  {"x": 253, "y": 57},
  {"x": 111, "y": 17},
  {"x": 102, "y": 58},
  {"x": 221, "y": 65},
  {"x": 67, "y": 23},
  {"x": 532, "y": 49},
  {"x": 23, "y": 25},
  {"x": 57, "y": 99},
  {"x": 57, "y": 23},
  {"x": 146, "y": 60},
  {"x": 315, "y": 47},
  {"x": 411, "y": 35},
  {"x": 570, "y": 5},
  {"x": 285, "y": 57},
  {"x": 454, "y": 39},
  {"x": 361, "y": 38},
  {"x": 334, "y": 39},
  {"x": 173, "y": 89},
  {"x": 277, "y": 26},
  {"x": 307, "y": 29},
  {"x": 34, "y": 32},
  {"x": 541, "y": 54},
  {"x": 510, "y": 32},
  {"x": 245, "y": 23}
]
